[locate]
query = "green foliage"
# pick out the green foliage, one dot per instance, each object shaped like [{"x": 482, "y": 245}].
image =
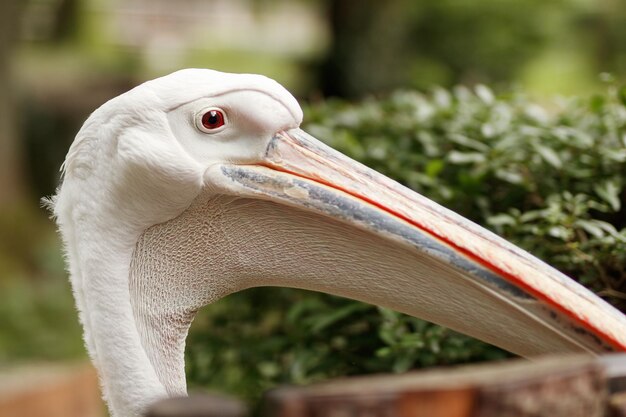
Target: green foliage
[
  {"x": 551, "y": 181},
  {"x": 252, "y": 341},
  {"x": 38, "y": 320}
]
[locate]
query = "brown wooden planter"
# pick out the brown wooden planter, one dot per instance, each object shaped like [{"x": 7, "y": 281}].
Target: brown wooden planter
[
  {"x": 50, "y": 391},
  {"x": 554, "y": 387},
  {"x": 565, "y": 386}
]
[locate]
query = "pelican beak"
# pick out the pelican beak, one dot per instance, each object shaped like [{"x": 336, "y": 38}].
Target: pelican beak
[{"x": 433, "y": 263}]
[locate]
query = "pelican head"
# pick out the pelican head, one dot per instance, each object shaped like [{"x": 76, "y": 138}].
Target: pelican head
[{"x": 200, "y": 183}]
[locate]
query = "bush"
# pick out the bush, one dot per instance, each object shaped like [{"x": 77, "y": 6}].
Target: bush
[
  {"x": 37, "y": 314},
  {"x": 551, "y": 181}
]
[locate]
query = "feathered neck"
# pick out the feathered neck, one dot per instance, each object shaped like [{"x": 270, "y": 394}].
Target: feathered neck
[{"x": 111, "y": 193}]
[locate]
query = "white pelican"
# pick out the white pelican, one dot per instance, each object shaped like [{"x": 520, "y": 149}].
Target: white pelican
[{"x": 200, "y": 183}]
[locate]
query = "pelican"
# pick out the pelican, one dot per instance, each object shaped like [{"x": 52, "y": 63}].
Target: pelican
[{"x": 198, "y": 184}]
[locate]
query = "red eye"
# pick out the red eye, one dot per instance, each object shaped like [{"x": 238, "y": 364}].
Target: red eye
[{"x": 213, "y": 119}]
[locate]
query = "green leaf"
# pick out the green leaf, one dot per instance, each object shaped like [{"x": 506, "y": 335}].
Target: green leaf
[
  {"x": 509, "y": 176},
  {"x": 560, "y": 232},
  {"x": 609, "y": 191},
  {"x": 470, "y": 143},
  {"x": 591, "y": 227},
  {"x": 337, "y": 315},
  {"x": 402, "y": 364},
  {"x": 434, "y": 167},
  {"x": 549, "y": 155},
  {"x": 501, "y": 220},
  {"x": 485, "y": 94},
  {"x": 457, "y": 157}
]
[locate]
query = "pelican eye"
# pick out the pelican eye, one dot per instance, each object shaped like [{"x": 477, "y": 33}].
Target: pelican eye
[{"x": 212, "y": 120}]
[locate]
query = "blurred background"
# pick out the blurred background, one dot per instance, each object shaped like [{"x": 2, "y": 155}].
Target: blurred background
[{"x": 61, "y": 59}]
